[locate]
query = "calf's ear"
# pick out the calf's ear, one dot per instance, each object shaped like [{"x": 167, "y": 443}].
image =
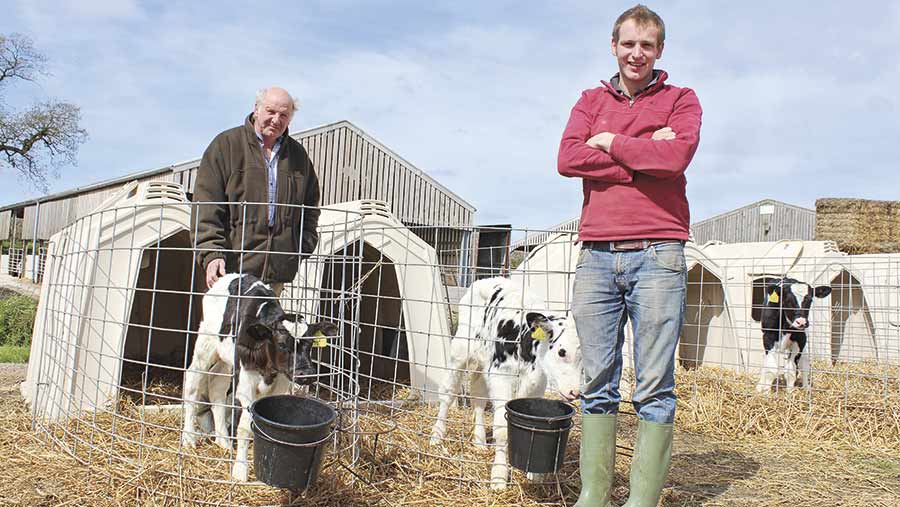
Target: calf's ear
[
  {"x": 822, "y": 291},
  {"x": 535, "y": 319},
  {"x": 259, "y": 331},
  {"x": 325, "y": 327},
  {"x": 539, "y": 324}
]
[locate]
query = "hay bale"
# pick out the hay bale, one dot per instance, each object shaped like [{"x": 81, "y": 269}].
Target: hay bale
[{"x": 859, "y": 226}]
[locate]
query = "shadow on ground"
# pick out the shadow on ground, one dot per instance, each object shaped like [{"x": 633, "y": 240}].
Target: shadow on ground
[{"x": 697, "y": 478}]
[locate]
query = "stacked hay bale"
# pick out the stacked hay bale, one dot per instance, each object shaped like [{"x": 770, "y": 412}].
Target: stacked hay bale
[{"x": 859, "y": 226}]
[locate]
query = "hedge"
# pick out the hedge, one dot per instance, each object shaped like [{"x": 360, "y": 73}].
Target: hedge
[{"x": 17, "y": 320}]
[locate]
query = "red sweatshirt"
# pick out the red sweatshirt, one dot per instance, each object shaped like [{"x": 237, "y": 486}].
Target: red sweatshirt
[{"x": 637, "y": 190}]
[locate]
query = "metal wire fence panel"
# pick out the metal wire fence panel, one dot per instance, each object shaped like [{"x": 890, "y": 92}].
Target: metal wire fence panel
[{"x": 413, "y": 368}]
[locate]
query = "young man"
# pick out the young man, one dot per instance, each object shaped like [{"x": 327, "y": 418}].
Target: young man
[
  {"x": 630, "y": 142},
  {"x": 257, "y": 162}
]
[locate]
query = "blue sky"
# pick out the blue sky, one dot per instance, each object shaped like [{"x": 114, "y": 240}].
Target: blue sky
[{"x": 800, "y": 98}]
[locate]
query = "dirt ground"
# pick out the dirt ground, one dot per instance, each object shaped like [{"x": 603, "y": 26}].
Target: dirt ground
[{"x": 706, "y": 471}]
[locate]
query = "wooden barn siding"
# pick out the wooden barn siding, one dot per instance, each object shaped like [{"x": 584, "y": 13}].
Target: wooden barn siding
[
  {"x": 745, "y": 225},
  {"x": 28, "y": 223},
  {"x": 5, "y": 218},
  {"x": 56, "y": 215}
]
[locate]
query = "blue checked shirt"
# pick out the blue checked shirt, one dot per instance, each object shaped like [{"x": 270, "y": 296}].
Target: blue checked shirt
[{"x": 272, "y": 169}]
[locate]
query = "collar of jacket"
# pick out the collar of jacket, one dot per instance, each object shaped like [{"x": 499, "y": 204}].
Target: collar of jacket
[
  {"x": 250, "y": 130},
  {"x": 660, "y": 82}
]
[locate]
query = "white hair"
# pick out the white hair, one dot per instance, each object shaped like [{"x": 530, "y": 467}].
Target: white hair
[{"x": 261, "y": 94}]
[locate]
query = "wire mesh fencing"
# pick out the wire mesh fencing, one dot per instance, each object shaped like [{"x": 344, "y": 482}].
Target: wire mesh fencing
[{"x": 121, "y": 303}]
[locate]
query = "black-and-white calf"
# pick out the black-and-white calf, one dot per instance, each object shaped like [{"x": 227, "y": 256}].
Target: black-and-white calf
[
  {"x": 243, "y": 313},
  {"x": 510, "y": 344},
  {"x": 784, "y": 319}
]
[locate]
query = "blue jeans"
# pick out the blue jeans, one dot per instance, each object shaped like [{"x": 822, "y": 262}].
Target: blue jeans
[{"x": 646, "y": 287}]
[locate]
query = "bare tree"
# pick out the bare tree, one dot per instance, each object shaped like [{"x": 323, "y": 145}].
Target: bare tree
[{"x": 38, "y": 141}]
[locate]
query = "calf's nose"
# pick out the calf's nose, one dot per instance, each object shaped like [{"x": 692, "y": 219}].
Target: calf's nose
[{"x": 304, "y": 371}]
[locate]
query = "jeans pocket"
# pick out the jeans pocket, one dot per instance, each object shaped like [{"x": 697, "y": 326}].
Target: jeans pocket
[
  {"x": 581, "y": 255},
  {"x": 669, "y": 256}
]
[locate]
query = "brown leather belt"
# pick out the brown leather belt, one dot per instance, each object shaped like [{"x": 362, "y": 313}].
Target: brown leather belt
[{"x": 628, "y": 245}]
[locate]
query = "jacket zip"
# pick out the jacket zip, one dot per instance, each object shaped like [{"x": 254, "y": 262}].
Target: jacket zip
[{"x": 632, "y": 100}]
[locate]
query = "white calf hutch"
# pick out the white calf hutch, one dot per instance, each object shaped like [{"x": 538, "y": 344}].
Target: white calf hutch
[
  {"x": 858, "y": 322},
  {"x": 116, "y": 293},
  {"x": 403, "y": 309}
]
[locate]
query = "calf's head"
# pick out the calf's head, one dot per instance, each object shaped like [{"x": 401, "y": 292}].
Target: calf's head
[
  {"x": 788, "y": 302},
  {"x": 302, "y": 336},
  {"x": 265, "y": 343},
  {"x": 558, "y": 350}
]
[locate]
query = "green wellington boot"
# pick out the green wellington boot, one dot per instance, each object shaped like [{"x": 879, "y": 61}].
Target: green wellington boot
[
  {"x": 598, "y": 459},
  {"x": 650, "y": 464}
]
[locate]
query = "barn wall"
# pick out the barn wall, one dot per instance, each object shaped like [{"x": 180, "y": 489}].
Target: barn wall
[
  {"x": 351, "y": 165},
  {"x": 747, "y": 224},
  {"x": 5, "y": 221}
]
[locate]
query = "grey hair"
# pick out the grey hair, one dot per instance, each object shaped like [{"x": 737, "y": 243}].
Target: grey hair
[{"x": 261, "y": 94}]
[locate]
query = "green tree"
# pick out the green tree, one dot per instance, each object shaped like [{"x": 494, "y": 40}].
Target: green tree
[{"x": 39, "y": 140}]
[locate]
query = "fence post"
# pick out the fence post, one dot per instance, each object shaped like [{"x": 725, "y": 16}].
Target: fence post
[{"x": 464, "y": 258}]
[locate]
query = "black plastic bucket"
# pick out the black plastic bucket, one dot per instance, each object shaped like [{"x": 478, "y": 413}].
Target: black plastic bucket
[
  {"x": 289, "y": 438},
  {"x": 538, "y": 431}
]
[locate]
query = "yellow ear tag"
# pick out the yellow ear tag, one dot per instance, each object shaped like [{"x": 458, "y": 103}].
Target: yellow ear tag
[
  {"x": 773, "y": 297},
  {"x": 539, "y": 334},
  {"x": 319, "y": 341}
]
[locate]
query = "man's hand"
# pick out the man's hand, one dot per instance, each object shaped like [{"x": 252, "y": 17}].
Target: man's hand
[
  {"x": 601, "y": 141},
  {"x": 214, "y": 270},
  {"x": 663, "y": 134}
]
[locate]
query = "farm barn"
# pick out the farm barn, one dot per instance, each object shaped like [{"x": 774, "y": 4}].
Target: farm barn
[
  {"x": 351, "y": 165},
  {"x": 765, "y": 220},
  {"x": 114, "y": 333}
]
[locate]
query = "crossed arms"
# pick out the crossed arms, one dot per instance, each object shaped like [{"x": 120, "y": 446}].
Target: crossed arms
[{"x": 614, "y": 158}]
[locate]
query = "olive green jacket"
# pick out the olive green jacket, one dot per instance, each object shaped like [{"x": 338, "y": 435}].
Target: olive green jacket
[{"x": 231, "y": 203}]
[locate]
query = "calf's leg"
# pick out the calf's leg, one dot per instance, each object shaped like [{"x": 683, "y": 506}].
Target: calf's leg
[
  {"x": 196, "y": 386},
  {"x": 767, "y": 375},
  {"x": 500, "y": 388},
  {"x": 450, "y": 388},
  {"x": 245, "y": 393},
  {"x": 219, "y": 383},
  {"x": 479, "y": 402}
]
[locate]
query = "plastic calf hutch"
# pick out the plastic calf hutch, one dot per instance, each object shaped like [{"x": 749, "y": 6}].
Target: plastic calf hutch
[
  {"x": 97, "y": 306},
  {"x": 403, "y": 315}
]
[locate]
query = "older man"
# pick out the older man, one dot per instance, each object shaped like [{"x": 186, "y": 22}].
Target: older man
[{"x": 247, "y": 178}]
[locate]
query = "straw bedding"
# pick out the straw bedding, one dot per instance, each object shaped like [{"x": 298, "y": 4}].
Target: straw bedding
[{"x": 836, "y": 445}]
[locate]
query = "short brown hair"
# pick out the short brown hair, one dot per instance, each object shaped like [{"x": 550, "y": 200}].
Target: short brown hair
[{"x": 642, "y": 16}]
